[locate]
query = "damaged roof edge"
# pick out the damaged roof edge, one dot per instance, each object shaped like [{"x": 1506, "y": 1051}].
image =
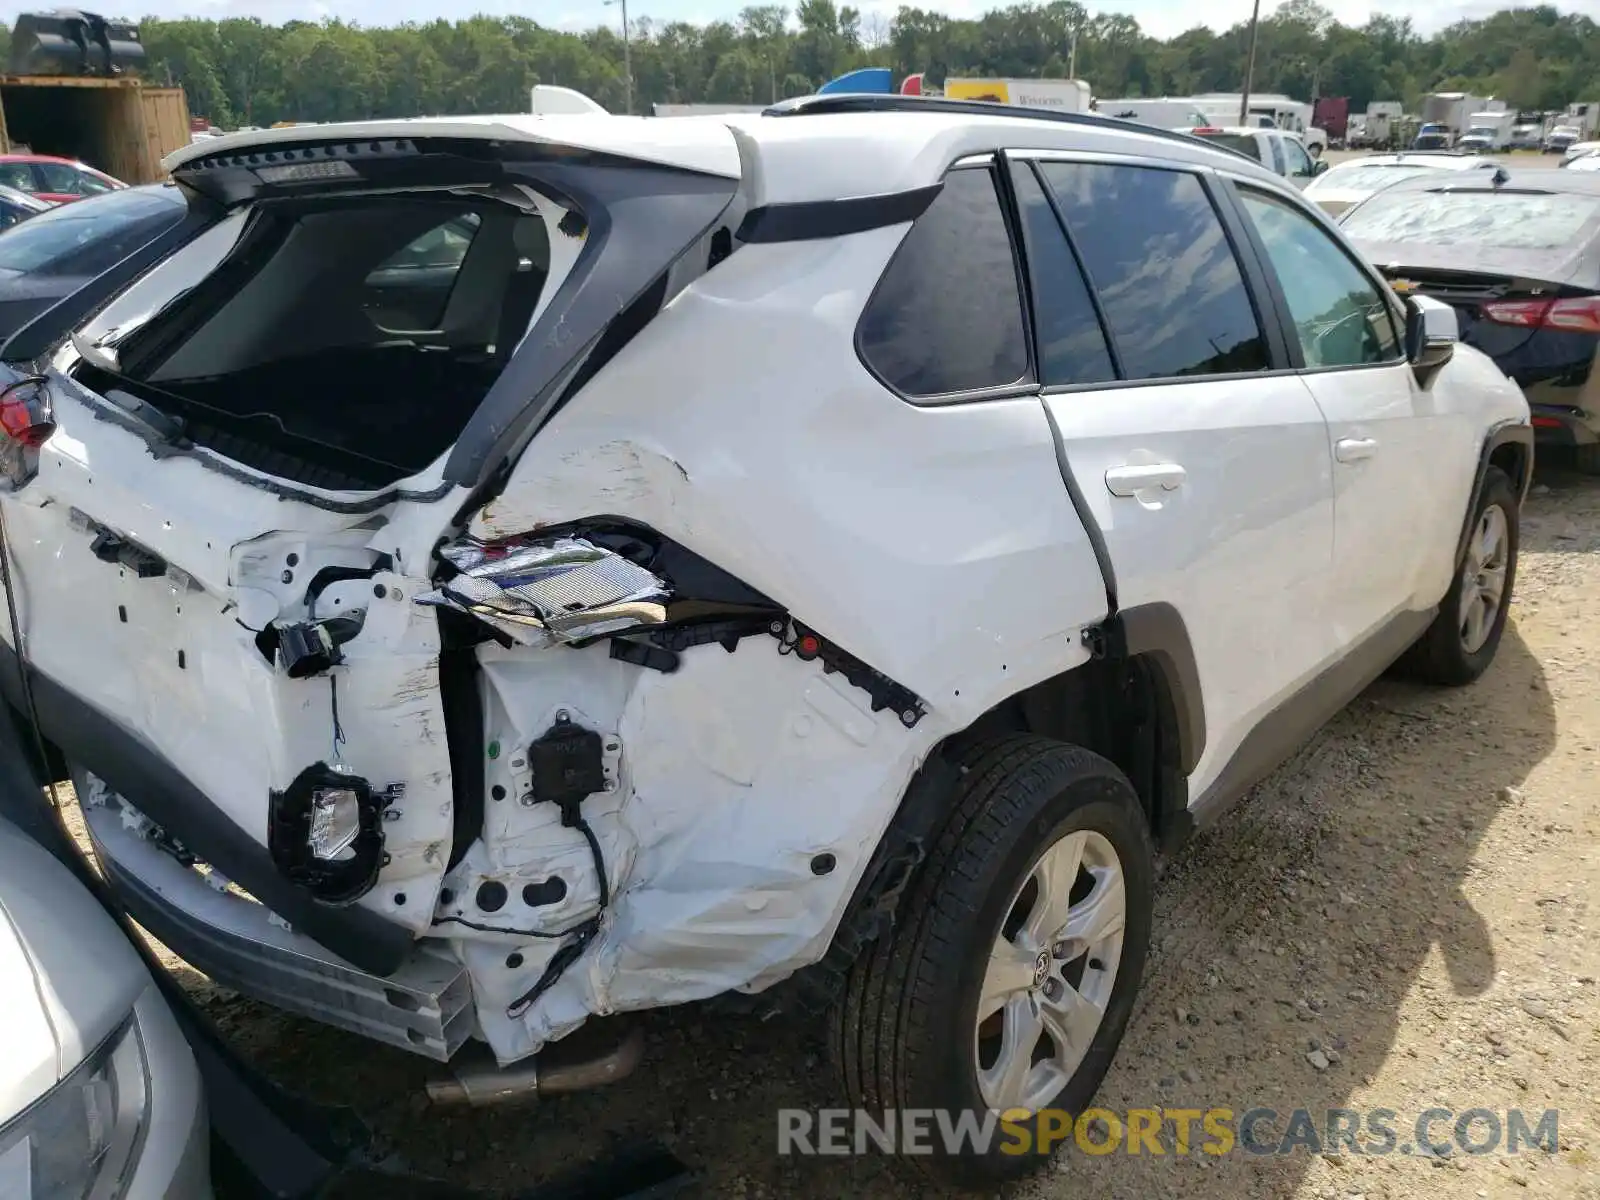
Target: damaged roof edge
[{"x": 707, "y": 148}]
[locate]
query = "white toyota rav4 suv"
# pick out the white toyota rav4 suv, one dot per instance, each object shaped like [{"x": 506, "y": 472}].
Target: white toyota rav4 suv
[{"x": 489, "y": 573}]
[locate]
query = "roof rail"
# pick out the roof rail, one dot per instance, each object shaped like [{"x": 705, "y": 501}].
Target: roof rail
[{"x": 804, "y": 106}]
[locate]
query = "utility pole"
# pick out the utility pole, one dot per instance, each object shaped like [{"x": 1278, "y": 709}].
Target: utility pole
[
  {"x": 627, "y": 55},
  {"x": 1250, "y": 66},
  {"x": 1072, "y": 55}
]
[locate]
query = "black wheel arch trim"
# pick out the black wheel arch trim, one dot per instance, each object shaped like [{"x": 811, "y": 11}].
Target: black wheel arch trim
[
  {"x": 1157, "y": 633},
  {"x": 167, "y": 797},
  {"x": 1507, "y": 433}
]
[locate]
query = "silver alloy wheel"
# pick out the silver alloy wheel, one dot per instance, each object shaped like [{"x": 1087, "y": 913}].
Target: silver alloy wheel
[
  {"x": 1050, "y": 974},
  {"x": 1483, "y": 578}
]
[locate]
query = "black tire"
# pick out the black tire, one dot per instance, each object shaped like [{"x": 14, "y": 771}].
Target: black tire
[
  {"x": 1440, "y": 655},
  {"x": 902, "y": 1035},
  {"x": 1588, "y": 458}
]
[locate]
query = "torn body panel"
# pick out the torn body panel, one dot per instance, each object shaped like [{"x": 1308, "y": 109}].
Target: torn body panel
[
  {"x": 754, "y": 781},
  {"x": 751, "y": 789},
  {"x": 173, "y": 657}
]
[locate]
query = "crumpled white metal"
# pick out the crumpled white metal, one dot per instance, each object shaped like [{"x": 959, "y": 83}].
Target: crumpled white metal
[{"x": 542, "y": 592}]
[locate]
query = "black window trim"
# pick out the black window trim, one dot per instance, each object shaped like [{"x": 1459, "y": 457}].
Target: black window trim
[
  {"x": 1234, "y": 231},
  {"x": 1113, "y": 352},
  {"x": 1028, "y": 384},
  {"x": 1232, "y": 186}
]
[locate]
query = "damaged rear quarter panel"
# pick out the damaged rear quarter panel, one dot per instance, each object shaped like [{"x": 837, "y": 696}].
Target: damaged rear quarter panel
[{"x": 937, "y": 545}]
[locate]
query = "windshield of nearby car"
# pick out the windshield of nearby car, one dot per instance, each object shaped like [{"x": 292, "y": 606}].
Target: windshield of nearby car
[
  {"x": 1368, "y": 177},
  {"x": 1242, "y": 143},
  {"x": 1500, "y": 220},
  {"x": 86, "y": 237}
]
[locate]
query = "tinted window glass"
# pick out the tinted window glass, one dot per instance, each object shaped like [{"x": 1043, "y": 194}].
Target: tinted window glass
[
  {"x": 88, "y": 236},
  {"x": 18, "y": 175},
  {"x": 1158, "y": 258},
  {"x": 1239, "y": 143},
  {"x": 1072, "y": 346},
  {"x": 1339, "y": 315},
  {"x": 411, "y": 288},
  {"x": 947, "y": 315}
]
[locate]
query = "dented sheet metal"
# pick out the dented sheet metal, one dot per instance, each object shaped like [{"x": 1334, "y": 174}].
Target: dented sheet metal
[{"x": 545, "y": 592}]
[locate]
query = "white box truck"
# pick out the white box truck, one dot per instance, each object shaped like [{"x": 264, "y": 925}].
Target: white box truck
[{"x": 1488, "y": 132}]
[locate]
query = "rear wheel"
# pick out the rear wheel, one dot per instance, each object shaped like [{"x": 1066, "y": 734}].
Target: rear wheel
[
  {"x": 1589, "y": 458},
  {"x": 1009, "y": 983},
  {"x": 1461, "y": 643}
]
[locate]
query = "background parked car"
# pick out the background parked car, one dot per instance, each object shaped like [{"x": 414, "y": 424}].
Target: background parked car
[
  {"x": 53, "y": 254},
  {"x": 58, "y": 180},
  {"x": 1519, "y": 261},
  {"x": 1349, "y": 183},
  {"x": 16, "y": 206},
  {"x": 99, "y": 1093}
]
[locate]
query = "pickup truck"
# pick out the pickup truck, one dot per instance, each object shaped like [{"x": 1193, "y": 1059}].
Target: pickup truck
[{"x": 1282, "y": 153}]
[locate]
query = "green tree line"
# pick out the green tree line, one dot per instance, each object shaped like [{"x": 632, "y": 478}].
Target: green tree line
[{"x": 241, "y": 71}]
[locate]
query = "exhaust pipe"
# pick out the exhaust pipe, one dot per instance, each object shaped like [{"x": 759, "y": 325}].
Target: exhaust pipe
[{"x": 546, "y": 1073}]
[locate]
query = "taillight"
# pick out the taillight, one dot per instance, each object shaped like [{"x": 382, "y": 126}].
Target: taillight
[
  {"x": 1578, "y": 315},
  {"x": 25, "y": 413}
]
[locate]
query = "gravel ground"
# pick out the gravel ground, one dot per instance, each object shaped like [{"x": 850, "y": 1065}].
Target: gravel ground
[{"x": 1402, "y": 917}]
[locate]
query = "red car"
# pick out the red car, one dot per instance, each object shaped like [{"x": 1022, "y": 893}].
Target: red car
[{"x": 57, "y": 180}]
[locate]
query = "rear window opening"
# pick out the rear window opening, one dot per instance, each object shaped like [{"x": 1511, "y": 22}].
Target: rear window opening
[
  {"x": 1239, "y": 143},
  {"x": 1499, "y": 219},
  {"x": 335, "y": 343}
]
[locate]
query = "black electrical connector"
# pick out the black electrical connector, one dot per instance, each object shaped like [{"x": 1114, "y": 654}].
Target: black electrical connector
[{"x": 568, "y": 766}]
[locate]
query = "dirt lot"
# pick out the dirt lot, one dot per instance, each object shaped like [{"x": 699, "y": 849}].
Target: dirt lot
[{"x": 1417, "y": 893}]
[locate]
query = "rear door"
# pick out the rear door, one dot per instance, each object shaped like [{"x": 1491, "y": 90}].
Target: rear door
[
  {"x": 1206, "y": 471},
  {"x": 218, "y": 554}
]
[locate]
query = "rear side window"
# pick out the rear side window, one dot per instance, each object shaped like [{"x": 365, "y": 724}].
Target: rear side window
[
  {"x": 410, "y": 289},
  {"x": 1157, "y": 256},
  {"x": 1239, "y": 143},
  {"x": 1072, "y": 345},
  {"x": 19, "y": 175},
  {"x": 947, "y": 314}
]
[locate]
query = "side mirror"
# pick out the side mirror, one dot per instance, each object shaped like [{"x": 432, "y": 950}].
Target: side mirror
[
  {"x": 1318, "y": 168},
  {"x": 1432, "y": 331}
]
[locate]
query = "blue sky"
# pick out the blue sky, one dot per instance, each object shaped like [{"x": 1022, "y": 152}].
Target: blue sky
[{"x": 1163, "y": 18}]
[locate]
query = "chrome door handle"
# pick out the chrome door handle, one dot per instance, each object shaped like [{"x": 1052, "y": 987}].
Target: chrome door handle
[
  {"x": 1126, "y": 481},
  {"x": 1349, "y": 450}
]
